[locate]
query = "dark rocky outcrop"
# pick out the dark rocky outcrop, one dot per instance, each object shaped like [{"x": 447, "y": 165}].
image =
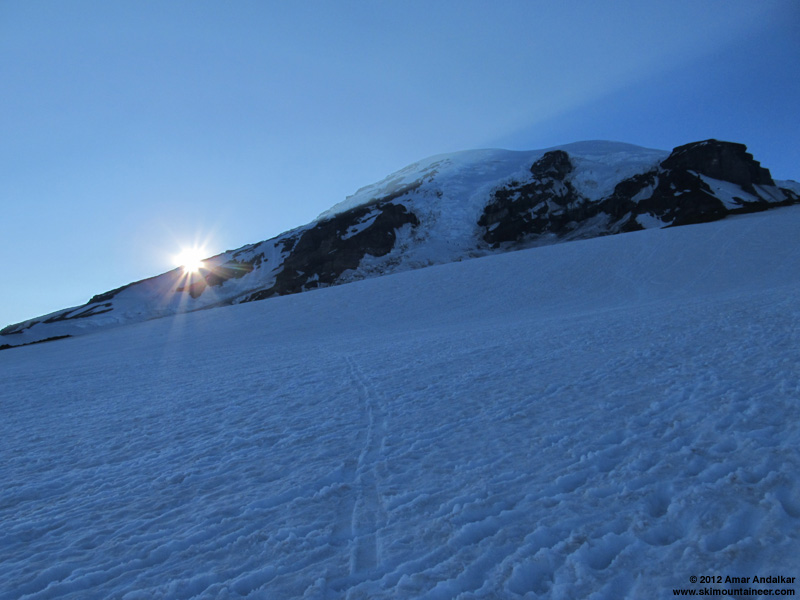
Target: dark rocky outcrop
[
  {"x": 106, "y": 296},
  {"x": 18, "y": 328},
  {"x": 682, "y": 198},
  {"x": 675, "y": 197},
  {"x": 725, "y": 161},
  {"x": 50, "y": 339},
  {"x": 679, "y": 194},
  {"x": 322, "y": 253},
  {"x": 553, "y": 165},
  {"x": 81, "y": 313},
  {"x": 673, "y": 192},
  {"x": 547, "y": 204}
]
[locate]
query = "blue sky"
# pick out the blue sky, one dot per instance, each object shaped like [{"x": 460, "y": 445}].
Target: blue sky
[{"x": 130, "y": 129}]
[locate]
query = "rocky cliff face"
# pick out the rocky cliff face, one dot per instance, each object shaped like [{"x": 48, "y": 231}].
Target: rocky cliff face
[
  {"x": 679, "y": 191},
  {"x": 447, "y": 208},
  {"x": 320, "y": 255},
  {"x": 548, "y": 203}
]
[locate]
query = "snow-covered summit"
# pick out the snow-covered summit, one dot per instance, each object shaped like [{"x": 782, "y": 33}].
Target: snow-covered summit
[
  {"x": 603, "y": 164},
  {"x": 448, "y": 208}
]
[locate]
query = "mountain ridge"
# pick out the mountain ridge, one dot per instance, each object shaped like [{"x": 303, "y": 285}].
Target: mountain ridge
[{"x": 447, "y": 208}]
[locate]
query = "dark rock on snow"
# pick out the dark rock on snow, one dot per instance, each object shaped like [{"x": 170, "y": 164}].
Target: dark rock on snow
[{"x": 674, "y": 192}]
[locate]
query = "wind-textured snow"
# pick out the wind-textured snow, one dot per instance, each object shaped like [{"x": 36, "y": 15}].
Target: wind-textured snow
[{"x": 596, "y": 419}]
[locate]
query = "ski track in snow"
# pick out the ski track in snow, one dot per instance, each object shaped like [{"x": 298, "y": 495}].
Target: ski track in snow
[
  {"x": 608, "y": 444},
  {"x": 368, "y": 505}
]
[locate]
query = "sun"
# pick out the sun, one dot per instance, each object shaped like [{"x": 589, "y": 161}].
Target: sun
[{"x": 191, "y": 259}]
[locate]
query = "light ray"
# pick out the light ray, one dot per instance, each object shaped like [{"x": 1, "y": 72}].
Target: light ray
[{"x": 191, "y": 259}]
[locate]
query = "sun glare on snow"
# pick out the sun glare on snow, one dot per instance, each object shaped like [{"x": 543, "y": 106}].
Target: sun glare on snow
[{"x": 191, "y": 259}]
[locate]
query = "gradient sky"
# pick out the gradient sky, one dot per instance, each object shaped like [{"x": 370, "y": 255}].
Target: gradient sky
[{"x": 129, "y": 129}]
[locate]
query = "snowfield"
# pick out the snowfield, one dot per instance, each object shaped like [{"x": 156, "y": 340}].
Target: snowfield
[{"x": 597, "y": 419}]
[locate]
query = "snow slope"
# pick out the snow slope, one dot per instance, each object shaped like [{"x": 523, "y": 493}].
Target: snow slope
[{"x": 598, "y": 419}]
